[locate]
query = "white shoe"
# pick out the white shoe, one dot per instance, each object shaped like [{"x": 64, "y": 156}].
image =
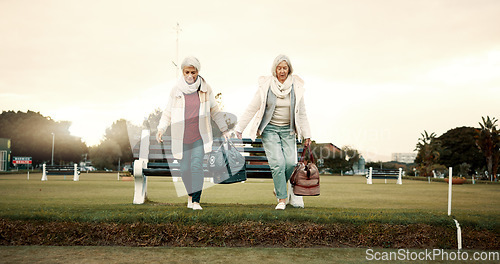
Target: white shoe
[
  {"x": 190, "y": 203},
  {"x": 280, "y": 206},
  {"x": 197, "y": 206},
  {"x": 295, "y": 201},
  {"x": 287, "y": 201}
]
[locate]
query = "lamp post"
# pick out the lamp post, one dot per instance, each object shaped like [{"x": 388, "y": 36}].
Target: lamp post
[{"x": 53, "y": 138}]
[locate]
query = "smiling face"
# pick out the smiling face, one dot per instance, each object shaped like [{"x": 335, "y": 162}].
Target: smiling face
[
  {"x": 190, "y": 74},
  {"x": 282, "y": 71}
]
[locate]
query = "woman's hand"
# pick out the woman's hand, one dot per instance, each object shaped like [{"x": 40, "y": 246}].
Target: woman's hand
[
  {"x": 307, "y": 142},
  {"x": 158, "y": 137},
  {"x": 238, "y": 134},
  {"x": 226, "y": 135}
]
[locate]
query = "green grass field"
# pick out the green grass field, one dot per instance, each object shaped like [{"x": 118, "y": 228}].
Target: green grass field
[
  {"x": 84, "y": 255},
  {"x": 101, "y": 198}
]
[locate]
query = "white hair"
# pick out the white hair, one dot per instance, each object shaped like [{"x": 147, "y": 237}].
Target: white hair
[
  {"x": 278, "y": 60},
  {"x": 191, "y": 61}
]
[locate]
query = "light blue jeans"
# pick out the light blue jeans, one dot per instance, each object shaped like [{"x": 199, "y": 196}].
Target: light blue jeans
[
  {"x": 281, "y": 151},
  {"x": 192, "y": 169}
]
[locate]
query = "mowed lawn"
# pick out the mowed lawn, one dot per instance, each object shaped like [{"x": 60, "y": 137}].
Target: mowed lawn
[
  {"x": 85, "y": 255},
  {"x": 102, "y": 198},
  {"x": 102, "y": 191}
]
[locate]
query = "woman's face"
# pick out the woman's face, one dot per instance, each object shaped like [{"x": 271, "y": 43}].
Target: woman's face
[
  {"x": 282, "y": 71},
  {"x": 190, "y": 74}
]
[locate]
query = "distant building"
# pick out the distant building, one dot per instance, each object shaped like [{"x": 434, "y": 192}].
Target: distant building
[
  {"x": 326, "y": 151},
  {"x": 404, "y": 157},
  {"x": 4, "y": 153}
]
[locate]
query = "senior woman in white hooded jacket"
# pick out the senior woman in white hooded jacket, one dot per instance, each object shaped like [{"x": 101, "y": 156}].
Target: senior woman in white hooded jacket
[
  {"x": 189, "y": 110},
  {"x": 280, "y": 116}
]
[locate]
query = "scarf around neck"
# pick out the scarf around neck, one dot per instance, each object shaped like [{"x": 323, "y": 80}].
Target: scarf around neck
[
  {"x": 281, "y": 90},
  {"x": 186, "y": 88}
]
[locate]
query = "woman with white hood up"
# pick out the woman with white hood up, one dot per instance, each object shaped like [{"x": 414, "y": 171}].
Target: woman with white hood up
[{"x": 190, "y": 108}]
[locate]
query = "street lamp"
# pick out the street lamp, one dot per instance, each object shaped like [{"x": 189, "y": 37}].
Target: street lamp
[{"x": 53, "y": 137}]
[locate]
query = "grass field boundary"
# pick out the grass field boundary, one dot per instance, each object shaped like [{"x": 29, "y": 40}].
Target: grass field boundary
[
  {"x": 243, "y": 234},
  {"x": 347, "y": 210}
]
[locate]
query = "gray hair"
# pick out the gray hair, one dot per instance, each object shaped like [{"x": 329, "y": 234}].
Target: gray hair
[
  {"x": 191, "y": 61},
  {"x": 278, "y": 60}
]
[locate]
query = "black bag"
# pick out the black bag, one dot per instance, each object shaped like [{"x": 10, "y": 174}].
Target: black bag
[{"x": 227, "y": 166}]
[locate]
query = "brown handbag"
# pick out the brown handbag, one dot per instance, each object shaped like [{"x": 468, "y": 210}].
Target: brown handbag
[{"x": 305, "y": 176}]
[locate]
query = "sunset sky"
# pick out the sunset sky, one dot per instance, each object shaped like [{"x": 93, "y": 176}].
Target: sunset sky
[{"x": 377, "y": 72}]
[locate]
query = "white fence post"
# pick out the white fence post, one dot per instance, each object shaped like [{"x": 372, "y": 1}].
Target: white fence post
[
  {"x": 44, "y": 175},
  {"x": 76, "y": 174},
  {"x": 459, "y": 234},
  {"x": 450, "y": 179},
  {"x": 400, "y": 180},
  {"x": 141, "y": 180},
  {"x": 369, "y": 179}
]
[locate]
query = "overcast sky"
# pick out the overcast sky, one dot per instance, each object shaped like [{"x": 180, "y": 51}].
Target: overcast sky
[{"x": 377, "y": 72}]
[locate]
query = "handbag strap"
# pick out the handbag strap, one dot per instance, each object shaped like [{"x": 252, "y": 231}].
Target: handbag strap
[{"x": 311, "y": 157}]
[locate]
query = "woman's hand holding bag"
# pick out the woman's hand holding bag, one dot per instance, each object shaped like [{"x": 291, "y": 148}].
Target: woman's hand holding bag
[
  {"x": 305, "y": 176},
  {"x": 227, "y": 165}
]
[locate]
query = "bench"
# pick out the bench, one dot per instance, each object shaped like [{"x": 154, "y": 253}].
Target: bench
[
  {"x": 384, "y": 174},
  {"x": 156, "y": 159},
  {"x": 61, "y": 170}
]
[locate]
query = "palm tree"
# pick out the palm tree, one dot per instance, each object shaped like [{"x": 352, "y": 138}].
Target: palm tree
[
  {"x": 488, "y": 141},
  {"x": 429, "y": 149}
]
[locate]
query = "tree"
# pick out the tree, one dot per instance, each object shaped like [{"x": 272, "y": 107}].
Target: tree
[
  {"x": 31, "y": 135},
  {"x": 116, "y": 146},
  {"x": 488, "y": 141},
  {"x": 429, "y": 150},
  {"x": 118, "y": 133},
  {"x": 458, "y": 147},
  {"x": 153, "y": 121},
  {"x": 333, "y": 157},
  {"x": 106, "y": 154},
  {"x": 351, "y": 155}
]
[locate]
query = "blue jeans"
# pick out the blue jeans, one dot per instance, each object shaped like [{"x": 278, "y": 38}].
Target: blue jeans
[
  {"x": 192, "y": 169},
  {"x": 281, "y": 151}
]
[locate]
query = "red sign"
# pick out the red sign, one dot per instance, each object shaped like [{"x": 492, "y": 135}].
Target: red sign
[{"x": 21, "y": 160}]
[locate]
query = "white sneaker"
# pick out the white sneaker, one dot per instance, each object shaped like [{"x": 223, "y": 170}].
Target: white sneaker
[
  {"x": 280, "y": 206},
  {"x": 287, "y": 201},
  {"x": 190, "y": 203},
  {"x": 295, "y": 201},
  {"x": 197, "y": 206}
]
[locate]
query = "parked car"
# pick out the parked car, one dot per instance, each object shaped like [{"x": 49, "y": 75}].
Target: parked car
[{"x": 88, "y": 168}]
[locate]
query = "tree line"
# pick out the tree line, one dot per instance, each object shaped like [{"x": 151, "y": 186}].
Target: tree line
[
  {"x": 467, "y": 150},
  {"x": 31, "y": 135}
]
